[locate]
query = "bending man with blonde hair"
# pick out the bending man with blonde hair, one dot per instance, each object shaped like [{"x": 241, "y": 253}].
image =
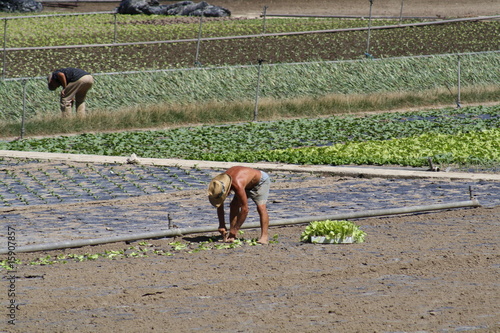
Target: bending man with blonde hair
[{"x": 246, "y": 183}]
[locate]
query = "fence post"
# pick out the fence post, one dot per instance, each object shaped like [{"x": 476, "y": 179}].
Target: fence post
[
  {"x": 24, "y": 108},
  {"x": 458, "y": 82},
  {"x": 264, "y": 12},
  {"x": 367, "y": 53},
  {"x": 115, "y": 30},
  {"x": 4, "y": 48},
  {"x": 196, "y": 62},
  {"x": 401, "y": 12},
  {"x": 257, "y": 92}
]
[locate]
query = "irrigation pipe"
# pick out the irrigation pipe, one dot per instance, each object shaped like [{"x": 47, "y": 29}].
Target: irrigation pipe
[
  {"x": 197, "y": 230},
  {"x": 358, "y": 17}
]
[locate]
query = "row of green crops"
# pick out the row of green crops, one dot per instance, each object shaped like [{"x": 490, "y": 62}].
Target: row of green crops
[
  {"x": 467, "y": 135},
  {"x": 474, "y": 148},
  {"x": 439, "y": 39},
  {"x": 102, "y": 29},
  {"x": 141, "y": 250},
  {"x": 112, "y": 92}
]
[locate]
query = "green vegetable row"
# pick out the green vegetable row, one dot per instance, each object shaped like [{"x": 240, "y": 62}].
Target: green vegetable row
[
  {"x": 101, "y": 28},
  {"x": 474, "y": 148},
  {"x": 98, "y": 29},
  {"x": 468, "y": 135}
]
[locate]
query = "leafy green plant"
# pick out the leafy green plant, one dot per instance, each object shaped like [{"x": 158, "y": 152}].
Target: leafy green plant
[
  {"x": 274, "y": 239},
  {"x": 178, "y": 245},
  {"x": 113, "y": 254},
  {"x": 47, "y": 260},
  {"x": 333, "y": 230},
  {"x": 204, "y": 246},
  {"x": 9, "y": 264}
]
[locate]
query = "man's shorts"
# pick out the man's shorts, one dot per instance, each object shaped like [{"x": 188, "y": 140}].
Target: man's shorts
[{"x": 260, "y": 192}]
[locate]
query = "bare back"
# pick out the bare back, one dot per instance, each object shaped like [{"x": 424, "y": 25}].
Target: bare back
[{"x": 243, "y": 178}]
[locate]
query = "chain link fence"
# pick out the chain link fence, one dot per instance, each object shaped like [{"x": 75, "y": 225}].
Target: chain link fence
[{"x": 112, "y": 91}]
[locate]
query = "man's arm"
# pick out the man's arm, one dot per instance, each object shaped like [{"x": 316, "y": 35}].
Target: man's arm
[
  {"x": 239, "y": 207},
  {"x": 222, "y": 221},
  {"x": 64, "y": 82},
  {"x": 62, "y": 79}
]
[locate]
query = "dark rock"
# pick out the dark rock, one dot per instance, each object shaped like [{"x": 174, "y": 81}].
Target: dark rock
[
  {"x": 182, "y": 8},
  {"x": 132, "y": 7},
  {"x": 22, "y": 6}
]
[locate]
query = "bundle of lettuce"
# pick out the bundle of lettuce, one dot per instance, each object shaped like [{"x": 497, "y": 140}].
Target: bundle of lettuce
[{"x": 333, "y": 231}]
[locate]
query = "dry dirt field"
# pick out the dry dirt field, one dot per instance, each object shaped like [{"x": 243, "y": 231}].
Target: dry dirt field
[{"x": 428, "y": 272}]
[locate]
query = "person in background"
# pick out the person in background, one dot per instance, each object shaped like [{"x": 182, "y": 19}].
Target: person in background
[
  {"x": 246, "y": 183},
  {"x": 75, "y": 84}
]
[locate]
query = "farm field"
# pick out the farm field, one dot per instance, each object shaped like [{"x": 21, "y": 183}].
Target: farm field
[
  {"x": 410, "y": 41},
  {"x": 427, "y": 272},
  {"x": 403, "y": 277},
  {"x": 201, "y": 81}
]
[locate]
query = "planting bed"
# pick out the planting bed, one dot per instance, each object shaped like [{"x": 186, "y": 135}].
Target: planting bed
[
  {"x": 418, "y": 272},
  {"x": 409, "y": 41},
  {"x": 58, "y": 201}
]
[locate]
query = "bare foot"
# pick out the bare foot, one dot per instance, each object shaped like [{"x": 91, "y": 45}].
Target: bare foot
[
  {"x": 223, "y": 233},
  {"x": 263, "y": 240}
]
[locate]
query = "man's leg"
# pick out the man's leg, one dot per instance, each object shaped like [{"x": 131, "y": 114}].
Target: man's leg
[
  {"x": 264, "y": 224},
  {"x": 234, "y": 213},
  {"x": 259, "y": 195},
  {"x": 84, "y": 85},
  {"x": 66, "y": 106},
  {"x": 69, "y": 98},
  {"x": 80, "y": 108}
]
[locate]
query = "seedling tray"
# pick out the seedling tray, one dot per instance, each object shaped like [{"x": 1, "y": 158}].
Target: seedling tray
[{"x": 324, "y": 240}]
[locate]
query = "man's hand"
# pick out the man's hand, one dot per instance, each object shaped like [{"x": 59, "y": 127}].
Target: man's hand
[{"x": 230, "y": 238}]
